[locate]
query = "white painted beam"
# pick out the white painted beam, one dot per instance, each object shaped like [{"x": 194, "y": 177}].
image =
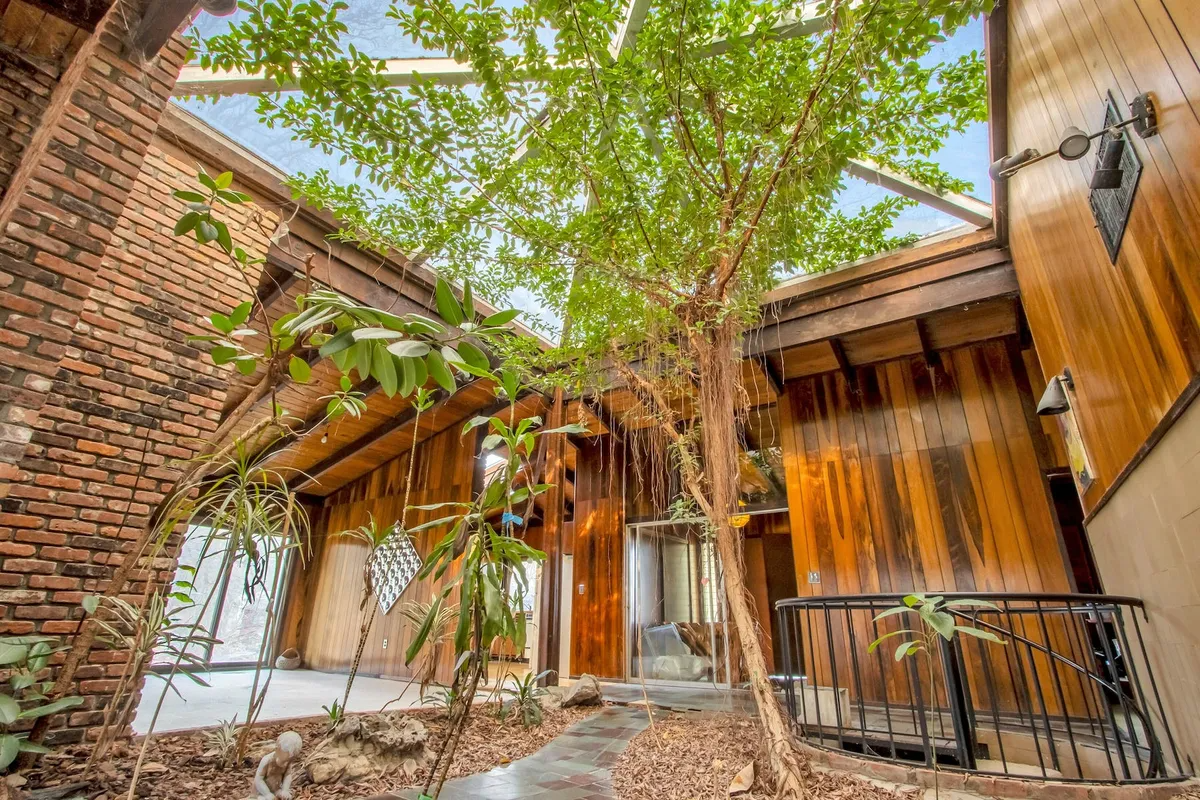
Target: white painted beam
[
  {"x": 960, "y": 206},
  {"x": 194, "y": 80}
]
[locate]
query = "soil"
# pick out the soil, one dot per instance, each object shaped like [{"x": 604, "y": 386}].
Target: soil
[
  {"x": 695, "y": 756},
  {"x": 176, "y": 768}
]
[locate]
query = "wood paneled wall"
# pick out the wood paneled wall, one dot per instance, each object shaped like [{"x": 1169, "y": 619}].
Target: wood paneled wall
[
  {"x": 1130, "y": 331},
  {"x": 444, "y": 471},
  {"x": 598, "y": 615},
  {"x": 921, "y": 478}
]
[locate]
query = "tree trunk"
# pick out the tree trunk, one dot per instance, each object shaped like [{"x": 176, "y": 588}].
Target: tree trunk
[{"x": 717, "y": 365}]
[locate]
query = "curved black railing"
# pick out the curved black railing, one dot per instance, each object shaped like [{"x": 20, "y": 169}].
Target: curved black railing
[{"x": 1070, "y": 695}]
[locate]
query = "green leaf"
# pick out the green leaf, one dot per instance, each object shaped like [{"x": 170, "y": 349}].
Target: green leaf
[
  {"x": 891, "y": 612},
  {"x": 501, "y": 318},
  {"x": 422, "y": 634},
  {"x": 246, "y": 365},
  {"x": 383, "y": 368},
  {"x": 299, "y": 369},
  {"x": 12, "y": 653},
  {"x": 447, "y": 305},
  {"x": 409, "y": 348},
  {"x": 468, "y": 303},
  {"x": 941, "y": 622},
  {"x": 979, "y": 633},
  {"x": 875, "y": 644},
  {"x": 906, "y": 649},
  {"x": 241, "y": 313},
  {"x": 207, "y": 181},
  {"x": 10, "y": 747},
  {"x": 61, "y": 704},
  {"x": 439, "y": 372},
  {"x": 10, "y": 710},
  {"x": 186, "y": 223},
  {"x": 337, "y": 344},
  {"x": 224, "y": 180},
  {"x": 33, "y": 747},
  {"x": 473, "y": 356},
  {"x": 222, "y": 323}
]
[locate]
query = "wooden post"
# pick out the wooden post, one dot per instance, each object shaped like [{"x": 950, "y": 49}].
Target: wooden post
[{"x": 550, "y": 598}]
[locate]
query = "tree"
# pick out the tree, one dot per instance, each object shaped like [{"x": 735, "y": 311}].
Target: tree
[{"x": 646, "y": 173}]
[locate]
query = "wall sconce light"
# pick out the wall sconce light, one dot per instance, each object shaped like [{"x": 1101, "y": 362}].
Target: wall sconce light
[
  {"x": 1076, "y": 143},
  {"x": 1054, "y": 400}
]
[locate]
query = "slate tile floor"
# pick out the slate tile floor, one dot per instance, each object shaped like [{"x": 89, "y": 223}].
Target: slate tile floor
[{"x": 574, "y": 766}]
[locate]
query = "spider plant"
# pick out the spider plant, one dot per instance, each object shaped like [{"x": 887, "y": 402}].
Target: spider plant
[
  {"x": 445, "y": 618},
  {"x": 221, "y": 742},
  {"x": 143, "y": 632},
  {"x": 524, "y": 693}
]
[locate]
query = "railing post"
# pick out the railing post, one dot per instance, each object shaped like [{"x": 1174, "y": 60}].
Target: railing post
[{"x": 959, "y": 695}]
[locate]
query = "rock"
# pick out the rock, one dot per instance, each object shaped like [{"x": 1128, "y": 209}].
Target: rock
[
  {"x": 374, "y": 744},
  {"x": 15, "y": 781},
  {"x": 742, "y": 782},
  {"x": 584, "y": 692},
  {"x": 552, "y": 700}
]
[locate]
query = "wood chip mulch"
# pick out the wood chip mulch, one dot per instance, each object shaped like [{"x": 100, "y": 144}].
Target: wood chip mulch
[
  {"x": 694, "y": 756},
  {"x": 176, "y": 769}
]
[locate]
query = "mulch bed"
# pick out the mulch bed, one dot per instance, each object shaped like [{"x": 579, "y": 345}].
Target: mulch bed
[
  {"x": 176, "y": 769},
  {"x": 694, "y": 756}
]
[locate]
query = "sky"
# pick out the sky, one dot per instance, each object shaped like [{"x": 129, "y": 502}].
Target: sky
[{"x": 965, "y": 155}]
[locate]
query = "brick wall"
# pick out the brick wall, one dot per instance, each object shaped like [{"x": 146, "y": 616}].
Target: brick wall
[
  {"x": 98, "y": 386},
  {"x": 24, "y": 94}
]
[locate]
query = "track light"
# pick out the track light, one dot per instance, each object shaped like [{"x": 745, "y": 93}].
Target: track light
[
  {"x": 1075, "y": 144},
  {"x": 1054, "y": 400},
  {"x": 1108, "y": 174}
]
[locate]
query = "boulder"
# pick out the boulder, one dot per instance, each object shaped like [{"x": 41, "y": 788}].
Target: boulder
[
  {"x": 370, "y": 744},
  {"x": 552, "y": 700},
  {"x": 584, "y": 692}
]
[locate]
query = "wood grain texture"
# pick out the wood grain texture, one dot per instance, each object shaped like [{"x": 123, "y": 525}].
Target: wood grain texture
[
  {"x": 328, "y": 630},
  {"x": 926, "y": 479},
  {"x": 1130, "y": 331},
  {"x": 598, "y": 546}
]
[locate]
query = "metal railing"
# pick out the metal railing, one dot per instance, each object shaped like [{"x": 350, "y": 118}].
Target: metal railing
[{"x": 1069, "y": 695}]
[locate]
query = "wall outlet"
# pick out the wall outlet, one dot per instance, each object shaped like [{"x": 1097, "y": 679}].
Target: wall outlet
[
  {"x": 581, "y": 588},
  {"x": 814, "y": 577},
  {"x": 385, "y": 643}
]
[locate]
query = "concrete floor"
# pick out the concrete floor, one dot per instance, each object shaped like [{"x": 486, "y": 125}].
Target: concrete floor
[{"x": 294, "y": 693}]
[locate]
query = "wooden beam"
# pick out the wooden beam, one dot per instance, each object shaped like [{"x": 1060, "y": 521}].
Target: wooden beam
[
  {"x": 917, "y": 301},
  {"x": 85, "y": 14},
  {"x": 932, "y": 359},
  {"x": 995, "y": 32},
  {"x": 553, "y": 526},
  {"x": 960, "y": 206},
  {"x": 773, "y": 376},
  {"x": 394, "y": 424},
  {"x": 839, "y": 353}
]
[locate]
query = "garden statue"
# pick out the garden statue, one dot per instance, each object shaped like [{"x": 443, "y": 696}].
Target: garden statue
[{"x": 273, "y": 780}]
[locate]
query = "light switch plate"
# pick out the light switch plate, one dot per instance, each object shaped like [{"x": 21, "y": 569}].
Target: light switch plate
[
  {"x": 385, "y": 643},
  {"x": 814, "y": 577},
  {"x": 581, "y": 588}
]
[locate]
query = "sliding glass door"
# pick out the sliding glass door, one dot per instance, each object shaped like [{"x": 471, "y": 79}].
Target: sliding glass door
[
  {"x": 675, "y": 609},
  {"x": 236, "y": 614}
]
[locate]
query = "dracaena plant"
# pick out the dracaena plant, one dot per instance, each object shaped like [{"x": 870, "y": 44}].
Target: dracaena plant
[{"x": 484, "y": 545}]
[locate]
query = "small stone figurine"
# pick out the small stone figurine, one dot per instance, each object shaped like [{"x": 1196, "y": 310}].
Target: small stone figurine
[{"x": 273, "y": 781}]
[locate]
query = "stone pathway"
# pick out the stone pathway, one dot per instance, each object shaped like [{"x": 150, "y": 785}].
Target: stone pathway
[{"x": 574, "y": 766}]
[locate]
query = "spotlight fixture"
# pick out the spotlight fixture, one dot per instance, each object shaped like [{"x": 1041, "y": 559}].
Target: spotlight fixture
[
  {"x": 324, "y": 438},
  {"x": 1054, "y": 399},
  {"x": 1075, "y": 144},
  {"x": 1108, "y": 174}
]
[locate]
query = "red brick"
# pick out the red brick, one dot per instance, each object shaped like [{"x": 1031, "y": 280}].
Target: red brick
[{"x": 29, "y": 565}]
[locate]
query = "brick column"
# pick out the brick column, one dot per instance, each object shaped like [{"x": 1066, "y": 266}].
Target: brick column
[{"x": 68, "y": 434}]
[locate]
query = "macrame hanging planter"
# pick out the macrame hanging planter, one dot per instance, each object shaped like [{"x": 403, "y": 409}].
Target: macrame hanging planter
[{"x": 393, "y": 568}]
